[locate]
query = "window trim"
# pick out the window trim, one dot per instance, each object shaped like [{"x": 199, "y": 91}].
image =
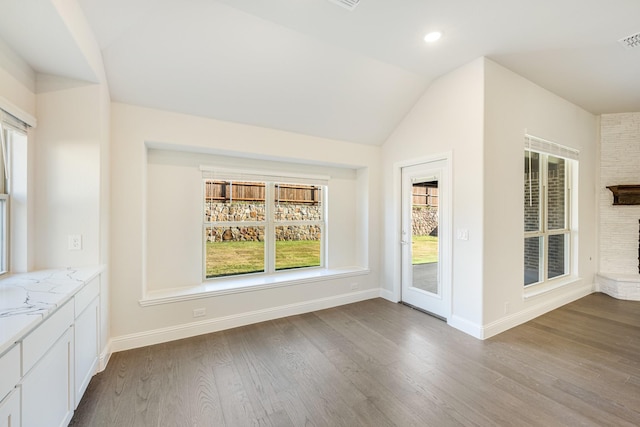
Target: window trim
[
  {"x": 270, "y": 179},
  {"x": 240, "y": 284}
]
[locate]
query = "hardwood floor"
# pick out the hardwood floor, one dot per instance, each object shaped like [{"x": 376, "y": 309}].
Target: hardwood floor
[{"x": 376, "y": 363}]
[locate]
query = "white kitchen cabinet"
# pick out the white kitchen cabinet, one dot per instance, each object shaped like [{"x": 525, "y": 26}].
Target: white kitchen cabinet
[
  {"x": 50, "y": 352},
  {"x": 87, "y": 347},
  {"x": 10, "y": 409},
  {"x": 10, "y": 369},
  {"x": 47, "y": 389}
]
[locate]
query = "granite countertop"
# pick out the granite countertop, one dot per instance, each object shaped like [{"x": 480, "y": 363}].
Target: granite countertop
[{"x": 26, "y": 299}]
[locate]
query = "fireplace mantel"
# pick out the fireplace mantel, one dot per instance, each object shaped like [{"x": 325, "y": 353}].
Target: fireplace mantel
[{"x": 625, "y": 194}]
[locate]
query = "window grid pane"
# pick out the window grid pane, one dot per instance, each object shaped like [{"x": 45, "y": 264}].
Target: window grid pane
[
  {"x": 531, "y": 191},
  {"x": 298, "y": 246},
  {"x": 234, "y": 201},
  {"x": 297, "y": 202},
  {"x": 532, "y": 256},
  {"x": 556, "y": 194},
  {"x": 556, "y": 258},
  {"x": 234, "y": 250}
]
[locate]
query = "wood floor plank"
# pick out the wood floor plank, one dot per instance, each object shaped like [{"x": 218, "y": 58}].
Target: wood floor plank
[{"x": 376, "y": 363}]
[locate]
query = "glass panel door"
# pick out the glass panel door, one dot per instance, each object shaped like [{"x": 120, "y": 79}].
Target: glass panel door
[{"x": 425, "y": 238}]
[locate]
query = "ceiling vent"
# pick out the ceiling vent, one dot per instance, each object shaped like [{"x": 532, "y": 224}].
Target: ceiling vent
[
  {"x": 347, "y": 4},
  {"x": 631, "y": 41}
]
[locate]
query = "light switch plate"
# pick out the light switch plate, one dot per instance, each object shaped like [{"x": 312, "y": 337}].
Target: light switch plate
[{"x": 463, "y": 234}]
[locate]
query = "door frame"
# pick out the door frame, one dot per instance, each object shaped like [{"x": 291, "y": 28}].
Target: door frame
[{"x": 447, "y": 255}]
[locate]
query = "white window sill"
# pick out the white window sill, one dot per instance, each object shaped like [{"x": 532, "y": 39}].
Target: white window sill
[
  {"x": 543, "y": 288},
  {"x": 240, "y": 284}
]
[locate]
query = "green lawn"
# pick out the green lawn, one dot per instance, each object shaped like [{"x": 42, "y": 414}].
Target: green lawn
[
  {"x": 228, "y": 258},
  {"x": 424, "y": 249}
]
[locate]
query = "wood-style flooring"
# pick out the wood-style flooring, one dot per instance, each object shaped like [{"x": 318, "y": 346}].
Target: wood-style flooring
[{"x": 376, "y": 363}]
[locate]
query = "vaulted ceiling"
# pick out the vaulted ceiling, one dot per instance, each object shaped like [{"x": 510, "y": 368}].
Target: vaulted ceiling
[{"x": 314, "y": 67}]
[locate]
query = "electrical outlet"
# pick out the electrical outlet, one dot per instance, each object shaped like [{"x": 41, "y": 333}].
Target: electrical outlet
[
  {"x": 75, "y": 242},
  {"x": 354, "y": 286},
  {"x": 199, "y": 312}
]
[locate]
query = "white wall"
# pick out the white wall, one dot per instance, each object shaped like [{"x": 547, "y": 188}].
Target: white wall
[
  {"x": 72, "y": 177},
  {"x": 619, "y": 164},
  {"x": 68, "y": 172},
  {"x": 448, "y": 117},
  {"x": 67, "y": 192},
  {"x": 513, "y": 106},
  {"x": 132, "y": 128}
]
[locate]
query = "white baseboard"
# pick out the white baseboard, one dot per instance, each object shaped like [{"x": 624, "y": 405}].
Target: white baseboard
[
  {"x": 466, "y": 326},
  {"x": 388, "y": 295},
  {"x": 494, "y": 328},
  {"x": 104, "y": 357},
  {"x": 157, "y": 336},
  {"x": 532, "y": 312}
]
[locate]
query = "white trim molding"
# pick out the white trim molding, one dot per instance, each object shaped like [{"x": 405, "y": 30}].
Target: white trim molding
[
  {"x": 105, "y": 356},
  {"x": 171, "y": 333},
  {"x": 529, "y": 313},
  {"x": 388, "y": 295},
  {"x": 17, "y": 112}
]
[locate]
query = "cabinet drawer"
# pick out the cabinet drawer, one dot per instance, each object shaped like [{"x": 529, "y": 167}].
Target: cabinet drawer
[
  {"x": 84, "y": 297},
  {"x": 10, "y": 369},
  {"x": 36, "y": 344}
]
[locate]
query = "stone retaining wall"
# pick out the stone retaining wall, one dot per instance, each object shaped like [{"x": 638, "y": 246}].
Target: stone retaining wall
[
  {"x": 424, "y": 220},
  {"x": 239, "y": 211}
]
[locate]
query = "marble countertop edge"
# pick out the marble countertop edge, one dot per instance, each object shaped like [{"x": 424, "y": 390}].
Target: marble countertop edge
[{"x": 27, "y": 299}]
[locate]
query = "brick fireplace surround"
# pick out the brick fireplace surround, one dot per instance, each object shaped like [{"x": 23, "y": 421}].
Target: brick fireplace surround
[{"x": 618, "y": 225}]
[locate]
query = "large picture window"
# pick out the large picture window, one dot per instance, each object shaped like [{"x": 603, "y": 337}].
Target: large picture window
[
  {"x": 547, "y": 211},
  {"x": 262, "y": 226}
]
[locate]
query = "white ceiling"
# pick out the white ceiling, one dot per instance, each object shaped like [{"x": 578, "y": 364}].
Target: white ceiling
[{"x": 313, "y": 67}]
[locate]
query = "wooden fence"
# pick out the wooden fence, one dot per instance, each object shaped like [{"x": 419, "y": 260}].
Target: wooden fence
[
  {"x": 226, "y": 191},
  {"x": 425, "y": 196}
]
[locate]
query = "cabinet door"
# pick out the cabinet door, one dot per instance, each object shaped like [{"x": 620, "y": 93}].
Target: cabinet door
[
  {"x": 47, "y": 390},
  {"x": 10, "y": 410},
  {"x": 86, "y": 347}
]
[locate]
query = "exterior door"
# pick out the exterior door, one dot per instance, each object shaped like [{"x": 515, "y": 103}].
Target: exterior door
[{"x": 425, "y": 238}]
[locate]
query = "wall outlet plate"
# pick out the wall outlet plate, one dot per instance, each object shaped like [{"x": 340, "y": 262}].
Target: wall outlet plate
[{"x": 75, "y": 242}]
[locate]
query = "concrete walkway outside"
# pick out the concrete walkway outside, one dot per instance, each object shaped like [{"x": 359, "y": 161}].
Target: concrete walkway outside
[{"x": 425, "y": 277}]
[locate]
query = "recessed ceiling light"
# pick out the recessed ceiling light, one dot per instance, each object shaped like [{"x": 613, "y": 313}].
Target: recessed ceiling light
[{"x": 433, "y": 36}]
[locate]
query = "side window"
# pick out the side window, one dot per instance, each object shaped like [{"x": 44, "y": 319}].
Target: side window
[
  {"x": 4, "y": 200},
  {"x": 547, "y": 217}
]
